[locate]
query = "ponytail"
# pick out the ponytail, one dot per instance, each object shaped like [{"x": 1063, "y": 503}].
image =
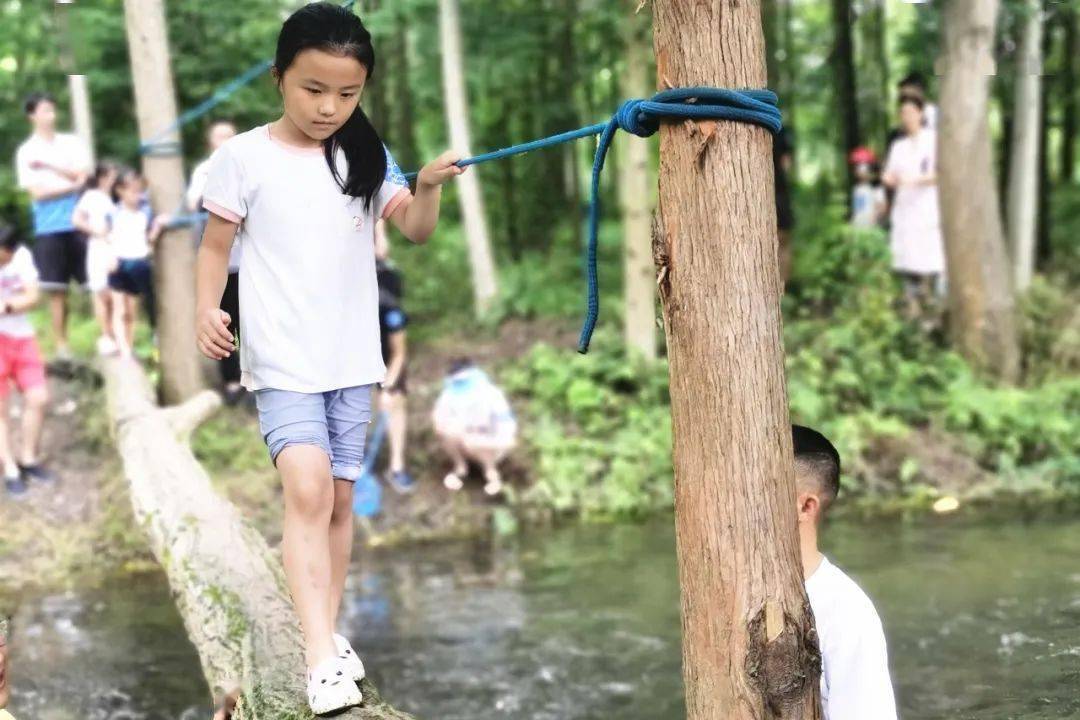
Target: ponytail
[{"x": 365, "y": 157}]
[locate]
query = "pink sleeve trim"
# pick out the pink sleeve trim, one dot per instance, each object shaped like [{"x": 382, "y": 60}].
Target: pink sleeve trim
[
  {"x": 401, "y": 196},
  {"x": 222, "y": 212}
]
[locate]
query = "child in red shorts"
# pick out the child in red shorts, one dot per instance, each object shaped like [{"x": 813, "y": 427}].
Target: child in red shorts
[{"x": 20, "y": 363}]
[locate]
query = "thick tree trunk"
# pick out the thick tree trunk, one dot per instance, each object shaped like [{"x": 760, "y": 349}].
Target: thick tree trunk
[
  {"x": 1070, "y": 94},
  {"x": 843, "y": 60},
  {"x": 749, "y": 645},
  {"x": 228, "y": 585},
  {"x": 635, "y": 196},
  {"x": 485, "y": 287},
  {"x": 981, "y": 304},
  {"x": 1024, "y": 168},
  {"x": 174, "y": 257}
]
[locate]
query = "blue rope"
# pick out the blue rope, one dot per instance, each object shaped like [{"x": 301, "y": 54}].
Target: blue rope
[{"x": 642, "y": 118}]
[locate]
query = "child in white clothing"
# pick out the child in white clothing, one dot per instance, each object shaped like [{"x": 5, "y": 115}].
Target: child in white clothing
[
  {"x": 131, "y": 237},
  {"x": 91, "y": 216},
  {"x": 301, "y": 195}
]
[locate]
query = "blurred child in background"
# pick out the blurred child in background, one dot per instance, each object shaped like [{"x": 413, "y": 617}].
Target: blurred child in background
[
  {"x": 92, "y": 217},
  {"x": 132, "y": 234}
]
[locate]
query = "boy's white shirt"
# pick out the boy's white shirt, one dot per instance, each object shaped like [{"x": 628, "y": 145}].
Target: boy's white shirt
[
  {"x": 855, "y": 683},
  {"x": 15, "y": 277},
  {"x": 482, "y": 405}
]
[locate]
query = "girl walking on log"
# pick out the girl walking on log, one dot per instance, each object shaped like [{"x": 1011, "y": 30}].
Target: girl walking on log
[{"x": 301, "y": 195}]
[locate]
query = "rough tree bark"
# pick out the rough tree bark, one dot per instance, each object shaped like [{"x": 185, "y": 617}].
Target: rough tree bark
[
  {"x": 635, "y": 196},
  {"x": 485, "y": 287},
  {"x": 174, "y": 257},
  {"x": 981, "y": 304},
  {"x": 227, "y": 584},
  {"x": 749, "y": 645},
  {"x": 1023, "y": 189}
]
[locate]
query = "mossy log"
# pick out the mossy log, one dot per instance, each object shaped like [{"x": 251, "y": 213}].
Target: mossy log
[{"x": 227, "y": 584}]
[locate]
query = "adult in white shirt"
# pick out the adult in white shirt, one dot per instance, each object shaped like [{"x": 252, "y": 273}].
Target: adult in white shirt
[
  {"x": 52, "y": 167},
  {"x": 219, "y": 132},
  {"x": 855, "y": 682},
  {"x": 916, "y": 243}
]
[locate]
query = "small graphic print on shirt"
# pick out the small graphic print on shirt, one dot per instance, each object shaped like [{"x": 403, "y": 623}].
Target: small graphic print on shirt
[
  {"x": 393, "y": 172},
  {"x": 358, "y": 221}
]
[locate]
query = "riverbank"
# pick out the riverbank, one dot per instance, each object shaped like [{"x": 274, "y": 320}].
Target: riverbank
[{"x": 595, "y": 445}]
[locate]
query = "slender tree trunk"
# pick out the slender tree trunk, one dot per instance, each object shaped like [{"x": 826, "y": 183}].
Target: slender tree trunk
[
  {"x": 981, "y": 301},
  {"x": 874, "y": 69},
  {"x": 635, "y": 195},
  {"x": 77, "y": 89},
  {"x": 844, "y": 71},
  {"x": 770, "y": 21},
  {"x": 1070, "y": 95},
  {"x": 1024, "y": 176},
  {"x": 1041, "y": 250},
  {"x": 174, "y": 257},
  {"x": 789, "y": 78},
  {"x": 457, "y": 119},
  {"x": 749, "y": 646}
]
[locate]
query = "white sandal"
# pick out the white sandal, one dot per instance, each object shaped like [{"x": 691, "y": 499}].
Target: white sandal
[
  {"x": 353, "y": 665},
  {"x": 453, "y": 482},
  {"x": 330, "y": 688},
  {"x": 494, "y": 485}
]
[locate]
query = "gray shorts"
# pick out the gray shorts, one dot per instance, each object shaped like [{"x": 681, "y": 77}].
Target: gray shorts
[{"x": 335, "y": 421}]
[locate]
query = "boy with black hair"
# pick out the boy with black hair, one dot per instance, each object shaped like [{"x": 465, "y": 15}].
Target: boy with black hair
[
  {"x": 855, "y": 682},
  {"x": 53, "y": 167},
  {"x": 20, "y": 363}
]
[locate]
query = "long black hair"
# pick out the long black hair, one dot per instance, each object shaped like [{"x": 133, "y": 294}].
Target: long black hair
[{"x": 334, "y": 29}]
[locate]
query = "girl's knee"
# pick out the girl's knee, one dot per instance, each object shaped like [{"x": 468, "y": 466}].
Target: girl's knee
[{"x": 309, "y": 497}]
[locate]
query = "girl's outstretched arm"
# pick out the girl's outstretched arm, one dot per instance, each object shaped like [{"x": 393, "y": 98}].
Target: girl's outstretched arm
[
  {"x": 211, "y": 271},
  {"x": 416, "y": 220}
]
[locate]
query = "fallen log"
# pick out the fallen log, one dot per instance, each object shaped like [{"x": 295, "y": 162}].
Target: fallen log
[{"x": 227, "y": 584}]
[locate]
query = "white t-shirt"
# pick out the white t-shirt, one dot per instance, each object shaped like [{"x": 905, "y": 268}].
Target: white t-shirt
[
  {"x": 309, "y": 300},
  {"x": 916, "y": 242},
  {"x": 473, "y": 407},
  {"x": 97, "y": 206},
  {"x": 64, "y": 150},
  {"x": 14, "y": 278},
  {"x": 855, "y": 682},
  {"x": 129, "y": 234}
]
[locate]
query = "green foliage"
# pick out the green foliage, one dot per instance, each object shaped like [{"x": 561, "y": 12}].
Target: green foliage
[
  {"x": 599, "y": 428},
  {"x": 225, "y": 444},
  {"x": 599, "y": 425}
]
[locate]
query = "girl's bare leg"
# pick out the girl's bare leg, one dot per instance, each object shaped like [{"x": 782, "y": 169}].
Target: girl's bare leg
[{"x": 309, "y": 505}]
